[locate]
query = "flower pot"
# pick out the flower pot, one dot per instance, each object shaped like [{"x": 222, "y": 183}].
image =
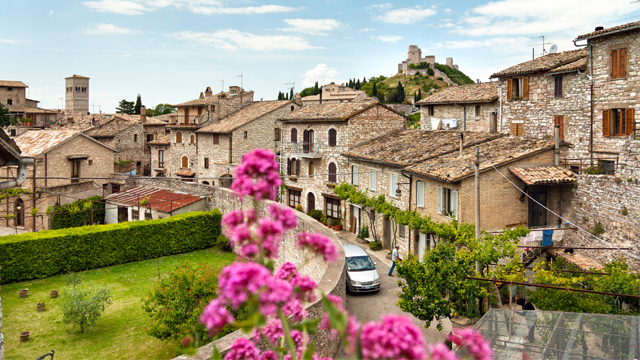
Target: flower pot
[
  {"x": 40, "y": 307},
  {"x": 337, "y": 227},
  {"x": 24, "y": 337},
  {"x": 324, "y": 223},
  {"x": 23, "y": 293},
  {"x": 54, "y": 294}
]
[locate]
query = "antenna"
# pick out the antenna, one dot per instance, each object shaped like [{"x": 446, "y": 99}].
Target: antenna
[
  {"x": 554, "y": 49},
  {"x": 241, "y": 81},
  {"x": 293, "y": 86},
  {"x": 222, "y": 81}
]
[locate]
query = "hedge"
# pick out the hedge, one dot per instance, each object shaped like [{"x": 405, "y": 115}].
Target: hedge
[
  {"x": 46, "y": 253},
  {"x": 78, "y": 214}
]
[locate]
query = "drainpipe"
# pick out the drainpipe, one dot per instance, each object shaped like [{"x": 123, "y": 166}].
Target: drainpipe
[
  {"x": 591, "y": 90},
  {"x": 557, "y": 146},
  {"x": 461, "y": 143},
  {"x": 22, "y": 173},
  {"x": 500, "y": 109}
]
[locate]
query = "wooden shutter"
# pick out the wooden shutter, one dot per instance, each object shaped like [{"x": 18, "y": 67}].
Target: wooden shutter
[
  {"x": 440, "y": 210},
  {"x": 420, "y": 194},
  {"x": 373, "y": 180},
  {"x": 332, "y": 137},
  {"x": 606, "y": 125},
  {"x": 510, "y": 90},
  {"x": 276, "y": 134},
  {"x": 294, "y": 135},
  {"x": 216, "y": 139},
  {"x": 525, "y": 88},
  {"x": 354, "y": 174},
  {"x": 615, "y": 64},
  {"x": 454, "y": 204},
  {"x": 559, "y": 120},
  {"x": 305, "y": 141},
  {"x": 297, "y": 167},
  {"x": 630, "y": 121},
  {"x": 288, "y": 166},
  {"x": 622, "y": 63}
]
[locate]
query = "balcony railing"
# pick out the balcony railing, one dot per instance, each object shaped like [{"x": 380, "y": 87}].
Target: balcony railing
[
  {"x": 302, "y": 147},
  {"x": 191, "y": 120},
  {"x": 161, "y": 164},
  {"x": 595, "y": 166}
]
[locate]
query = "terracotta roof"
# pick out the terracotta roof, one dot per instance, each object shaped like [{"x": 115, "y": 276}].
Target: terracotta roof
[
  {"x": 407, "y": 147},
  {"x": 328, "y": 112},
  {"x": 543, "y": 63},
  {"x": 36, "y": 142},
  {"x": 110, "y": 128},
  {"x": 580, "y": 64},
  {"x": 244, "y": 116},
  {"x": 543, "y": 174},
  {"x": 31, "y": 109},
  {"x": 77, "y": 77},
  {"x": 186, "y": 173},
  {"x": 215, "y": 98},
  {"x": 161, "y": 140},
  {"x": 451, "y": 167},
  {"x": 9, "y": 83},
  {"x": 623, "y": 27},
  {"x": 472, "y": 93},
  {"x": 160, "y": 118},
  {"x": 159, "y": 199},
  {"x": 340, "y": 95}
]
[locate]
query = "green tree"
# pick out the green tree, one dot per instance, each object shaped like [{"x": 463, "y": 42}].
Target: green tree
[
  {"x": 374, "y": 90},
  {"x": 162, "y": 109},
  {"x": 83, "y": 307},
  {"x": 358, "y": 85},
  {"x": 430, "y": 72},
  {"x": 316, "y": 89},
  {"x": 291, "y": 94},
  {"x": 125, "y": 107},
  {"x": 138, "y": 105},
  {"x": 5, "y": 119},
  {"x": 419, "y": 94},
  {"x": 364, "y": 80},
  {"x": 399, "y": 94}
]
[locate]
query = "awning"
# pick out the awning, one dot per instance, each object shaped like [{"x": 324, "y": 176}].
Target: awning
[
  {"x": 331, "y": 196},
  {"x": 77, "y": 156},
  {"x": 186, "y": 173},
  {"x": 543, "y": 174}
]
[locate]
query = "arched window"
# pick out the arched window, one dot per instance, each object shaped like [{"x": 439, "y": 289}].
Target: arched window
[
  {"x": 293, "y": 166},
  {"x": 19, "y": 212},
  {"x": 311, "y": 202},
  {"x": 225, "y": 181},
  {"x": 332, "y": 137},
  {"x": 205, "y": 183},
  {"x": 135, "y": 137},
  {"x": 294, "y": 135},
  {"x": 193, "y": 139},
  {"x": 333, "y": 170},
  {"x": 292, "y": 108},
  {"x": 161, "y": 175},
  {"x": 311, "y": 169},
  {"x": 185, "y": 162},
  {"x": 178, "y": 137}
]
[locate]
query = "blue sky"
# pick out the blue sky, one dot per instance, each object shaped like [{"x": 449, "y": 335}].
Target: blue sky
[{"x": 170, "y": 50}]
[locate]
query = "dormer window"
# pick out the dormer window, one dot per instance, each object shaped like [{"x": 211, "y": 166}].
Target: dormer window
[{"x": 233, "y": 92}]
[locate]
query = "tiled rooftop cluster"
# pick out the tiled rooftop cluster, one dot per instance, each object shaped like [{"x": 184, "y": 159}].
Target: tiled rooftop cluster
[
  {"x": 243, "y": 116},
  {"x": 33, "y": 143},
  {"x": 325, "y": 112},
  {"x": 543, "y": 63},
  {"x": 212, "y": 99},
  {"x": 465, "y": 94},
  {"x": 10, "y": 83},
  {"x": 608, "y": 30}
]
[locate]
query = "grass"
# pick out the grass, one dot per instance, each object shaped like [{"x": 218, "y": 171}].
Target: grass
[{"x": 118, "y": 334}]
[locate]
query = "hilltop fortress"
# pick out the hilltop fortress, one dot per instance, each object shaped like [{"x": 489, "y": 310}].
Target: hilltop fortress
[{"x": 414, "y": 56}]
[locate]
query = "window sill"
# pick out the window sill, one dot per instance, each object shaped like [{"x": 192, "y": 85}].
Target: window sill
[
  {"x": 331, "y": 185},
  {"x": 293, "y": 179}
]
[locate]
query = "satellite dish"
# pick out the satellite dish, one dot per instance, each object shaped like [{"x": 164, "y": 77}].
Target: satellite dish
[{"x": 554, "y": 49}]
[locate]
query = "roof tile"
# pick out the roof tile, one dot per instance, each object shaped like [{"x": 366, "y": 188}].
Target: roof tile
[
  {"x": 543, "y": 174},
  {"x": 10, "y": 83},
  {"x": 609, "y": 30},
  {"x": 472, "y": 93},
  {"x": 159, "y": 199},
  {"x": 324, "y": 112},
  {"x": 543, "y": 63},
  {"x": 36, "y": 142},
  {"x": 244, "y": 116}
]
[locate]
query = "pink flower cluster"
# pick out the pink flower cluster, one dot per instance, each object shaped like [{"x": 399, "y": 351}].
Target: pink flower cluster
[
  {"x": 476, "y": 345},
  {"x": 258, "y": 175},
  {"x": 319, "y": 244},
  {"x": 394, "y": 338}
]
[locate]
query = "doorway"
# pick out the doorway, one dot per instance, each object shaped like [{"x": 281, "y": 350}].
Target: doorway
[
  {"x": 355, "y": 219},
  {"x": 537, "y": 213},
  {"x": 493, "y": 123},
  {"x": 387, "y": 233},
  {"x": 422, "y": 245},
  {"x": 123, "y": 214},
  {"x": 19, "y": 212},
  {"x": 311, "y": 202}
]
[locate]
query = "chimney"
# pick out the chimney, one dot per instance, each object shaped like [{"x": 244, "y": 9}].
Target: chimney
[
  {"x": 598, "y": 28},
  {"x": 557, "y": 145},
  {"x": 478, "y": 81},
  {"x": 143, "y": 114},
  {"x": 461, "y": 143},
  {"x": 320, "y": 96}
]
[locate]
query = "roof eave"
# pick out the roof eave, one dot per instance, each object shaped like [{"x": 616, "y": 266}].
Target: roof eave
[{"x": 586, "y": 37}]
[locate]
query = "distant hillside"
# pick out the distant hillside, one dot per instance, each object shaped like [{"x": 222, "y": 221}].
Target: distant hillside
[{"x": 456, "y": 76}]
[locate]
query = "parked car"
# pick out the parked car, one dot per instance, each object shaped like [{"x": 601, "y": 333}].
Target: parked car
[{"x": 362, "y": 275}]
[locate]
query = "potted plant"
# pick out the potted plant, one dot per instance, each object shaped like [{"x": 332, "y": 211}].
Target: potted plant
[
  {"x": 316, "y": 214},
  {"x": 40, "y": 306},
  {"x": 24, "y": 336},
  {"x": 24, "y": 293},
  {"x": 323, "y": 219},
  {"x": 337, "y": 224},
  {"x": 54, "y": 294}
]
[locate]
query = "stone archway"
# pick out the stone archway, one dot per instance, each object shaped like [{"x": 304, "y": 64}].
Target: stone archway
[
  {"x": 225, "y": 181},
  {"x": 311, "y": 202}
]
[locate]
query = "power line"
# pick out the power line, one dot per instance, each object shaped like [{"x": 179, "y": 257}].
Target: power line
[{"x": 549, "y": 210}]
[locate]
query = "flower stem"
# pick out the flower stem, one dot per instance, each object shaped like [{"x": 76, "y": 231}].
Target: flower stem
[{"x": 287, "y": 335}]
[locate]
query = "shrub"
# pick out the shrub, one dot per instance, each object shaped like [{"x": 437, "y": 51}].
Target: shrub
[
  {"x": 299, "y": 207},
  {"x": 38, "y": 255},
  {"x": 364, "y": 232},
  {"x": 316, "y": 214},
  {"x": 624, "y": 211},
  {"x": 375, "y": 245},
  {"x": 598, "y": 229},
  {"x": 223, "y": 243},
  {"x": 78, "y": 214},
  {"x": 439, "y": 78},
  {"x": 176, "y": 303},
  {"x": 430, "y": 72},
  {"x": 83, "y": 307}
]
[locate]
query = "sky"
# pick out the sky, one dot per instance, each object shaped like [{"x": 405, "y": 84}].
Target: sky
[{"x": 171, "y": 50}]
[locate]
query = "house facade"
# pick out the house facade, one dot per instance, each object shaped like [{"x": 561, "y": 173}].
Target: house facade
[
  {"x": 128, "y": 205},
  {"x": 13, "y": 97},
  {"x": 333, "y": 93}
]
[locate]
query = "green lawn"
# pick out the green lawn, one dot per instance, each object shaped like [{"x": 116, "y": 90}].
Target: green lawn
[{"x": 118, "y": 334}]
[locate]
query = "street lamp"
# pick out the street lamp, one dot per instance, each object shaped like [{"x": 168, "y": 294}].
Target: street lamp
[{"x": 398, "y": 191}]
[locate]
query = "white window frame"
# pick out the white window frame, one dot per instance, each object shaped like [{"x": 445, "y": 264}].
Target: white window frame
[
  {"x": 393, "y": 185},
  {"x": 354, "y": 175},
  {"x": 448, "y": 205},
  {"x": 420, "y": 193},
  {"x": 373, "y": 180}
]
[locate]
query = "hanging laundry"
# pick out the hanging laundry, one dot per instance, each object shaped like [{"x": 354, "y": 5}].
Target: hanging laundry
[
  {"x": 435, "y": 124},
  {"x": 449, "y": 123},
  {"x": 547, "y": 237}
]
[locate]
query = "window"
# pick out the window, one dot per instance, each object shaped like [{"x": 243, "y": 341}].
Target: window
[
  {"x": 147, "y": 215},
  {"x": 135, "y": 137},
  {"x": 311, "y": 169},
  {"x": 557, "y": 87},
  {"x": 75, "y": 170},
  {"x": 9, "y": 102},
  {"x": 430, "y": 110},
  {"x": 160, "y": 158},
  {"x": 516, "y": 129},
  {"x": 619, "y": 63},
  {"x": 178, "y": 137},
  {"x": 332, "y": 208},
  {"x": 150, "y": 137},
  {"x": 199, "y": 111},
  {"x": 558, "y": 120},
  {"x": 135, "y": 215},
  {"x": 332, "y": 173},
  {"x": 307, "y": 141},
  {"x": 216, "y": 139},
  {"x": 293, "y": 166},
  {"x": 294, "y": 198},
  {"x": 608, "y": 167},
  {"x": 393, "y": 184},
  {"x": 206, "y": 163},
  {"x": 185, "y": 162},
  {"x": 13, "y": 132},
  {"x": 233, "y": 92},
  {"x": 448, "y": 202},
  {"x": 401, "y": 231},
  {"x": 276, "y": 134},
  {"x": 478, "y": 112},
  {"x": 90, "y": 162},
  {"x": 332, "y": 137},
  {"x": 373, "y": 180},
  {"x": 292, "y": 108},
  {"x": 518, "y": 89},
  {"x": 245, "y": 134},
  {"x": 9, "y": 89},
  {"x": 193, "y": 139},
  {"x": 294, "y": 135},
  {"x": 420, "y": 194},
  {"x": 354, "y": 175},
  {"x": 618, "y": 122}
]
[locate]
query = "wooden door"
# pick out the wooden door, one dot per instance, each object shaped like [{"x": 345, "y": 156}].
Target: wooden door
[
  {"x": 186, "y": 116},
  {"x": 537, "y": 213},
  {"x": 387, "y": 233},
  {"x": 311, "y": 202}
]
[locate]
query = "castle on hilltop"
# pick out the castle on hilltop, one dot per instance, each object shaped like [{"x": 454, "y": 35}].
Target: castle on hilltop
[{"x": 414, "y": 56}]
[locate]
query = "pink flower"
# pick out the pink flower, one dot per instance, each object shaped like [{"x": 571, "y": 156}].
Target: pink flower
[
  {"x": 231, "y": 220},
  {"x": 249, "y": 250},
  {"x": 272, "y": 330},
  {"x": 270, "y": 234},
  {"x": 284, "y": 215},
  {"x": 295, "y": 309},
  {"x": 268, "y": 355},
  {"x": 238, "y": 281},
  {"x": 258, "y": 175},
  {"x": 277, "y": 293},
  {"x": 215, "y": 317},
  {"x": 243, "y": 349},
  {"x": 477, "y": 347},
  {"x": 395, "y": 338},
  {"x": 239, "y": 234},
  {"x": 305, "y": 286},
  {"x": 286, "y": 271},
  {"x": 335, "y": 300},
  {"x": 319, "y": 244},
  {"x": 441, "y": 352}
]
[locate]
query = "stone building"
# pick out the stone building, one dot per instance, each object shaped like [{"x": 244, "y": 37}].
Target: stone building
[
  {"x": 76, "y": 99},
  {"x": 314, "y": 139},
  {"x": 473, "y": 107},
  {"x": 74, "y": 166},
  {"x": 127, "y": 205},
  {"x": 13, "y": 97},
  {"x": 333, "y": 93},
  {"x": 414, "y": 56}
]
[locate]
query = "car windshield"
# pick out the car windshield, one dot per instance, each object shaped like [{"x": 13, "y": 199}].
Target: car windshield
[{"x": 360, "y": 263}]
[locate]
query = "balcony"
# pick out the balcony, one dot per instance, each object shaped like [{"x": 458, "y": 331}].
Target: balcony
[
  {"x": 595, "y": 166},
  {"x": 188, "y": 121},
  {"x": 303, "y": 150}
]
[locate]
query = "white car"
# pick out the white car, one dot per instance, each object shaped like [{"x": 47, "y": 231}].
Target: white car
[{"x": 362, "y": 275}]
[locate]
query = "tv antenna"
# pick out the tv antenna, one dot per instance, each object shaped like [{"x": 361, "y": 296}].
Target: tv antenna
[
  {"x": 544, "y": 44},
  {"x": 293, "y": 85},
  {"x": 222, "y": 81},
  {"x": 241, "y": 81}
]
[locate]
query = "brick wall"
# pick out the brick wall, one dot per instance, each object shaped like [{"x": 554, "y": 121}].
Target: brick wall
[{"x": 17, "y": 95}]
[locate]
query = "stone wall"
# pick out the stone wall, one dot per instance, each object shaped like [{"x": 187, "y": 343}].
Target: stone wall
[
  {"x": 330, "y": 277},
  {"x": 474, "y": 122},
  {"x": 17, "y": 95}
]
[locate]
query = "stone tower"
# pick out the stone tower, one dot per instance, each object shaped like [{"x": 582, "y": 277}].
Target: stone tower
[
  {"x": 76, "y": 100},
  {"x": 414, "y": 54}
]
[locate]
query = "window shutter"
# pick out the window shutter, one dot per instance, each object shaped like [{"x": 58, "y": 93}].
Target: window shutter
[
  {"x": 525, "y": 88},
  {"x": 440, "y": 210},
  {"x": 305, "y": 141},
  {"x": 510, "y": 90},
  {"x": 393, "y": 184},
  {"x": 332, "y": 137},
  {"x": 630, "y": 121},
  {"x": 606, "y": 127},
  {"x": 622, "y": 63},
  {"x": 373, "y": 180},
  {"x": 288, "y": 166},
  {"x": 354, "y": 174},
  {"x": 294, "y": 135},
  {"x": 615, "y": 64},
  {"x": 454, "y": 204},
  {"x": 420, "y": 194}
]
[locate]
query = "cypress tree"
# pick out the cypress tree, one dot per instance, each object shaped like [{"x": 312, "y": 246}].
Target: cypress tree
[
  {"x": 316, "y": 90},
  {"x": 291, "y": 94},
  {"x": 358, "y": 85},
  {"x": 374, "y": 90},
  {"x": 364, "y": 80},
  {"x": 138, "y": 105},
  {"x": 419, "y": 94}
]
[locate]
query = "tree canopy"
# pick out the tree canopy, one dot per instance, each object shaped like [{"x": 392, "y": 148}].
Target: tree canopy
[
  {"x": 138, "y": 105},
  {"x": 126, "y": 107}
]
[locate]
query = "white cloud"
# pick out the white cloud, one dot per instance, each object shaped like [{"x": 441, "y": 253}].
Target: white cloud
[
  {"x": 126, "y": 55},
  {"x": 8, "y": 41},
  {"x": 206, "y": 7},
  {"x": 515, "y": 17},
  {"x": 448, "y": 11},
  {"x": 322, "y": 74},
  {"x": 103, "y": 29},
  {"x": 233, "y": 39},
  {"x": 50, "y": 12},
  {"x": 367, "y": 29},
  {"x": 446, "y": 25},
  {"x": 388, "y": 38},
  {"x": 312, "y": 26},
  {"x": 501, "y": 45},
  {"x": 408, "y": 15}
]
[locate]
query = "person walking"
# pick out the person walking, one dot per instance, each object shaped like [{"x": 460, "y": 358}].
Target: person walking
[
  {"x": 531, "y": 318},
  {"x": 394, "y": 257}
]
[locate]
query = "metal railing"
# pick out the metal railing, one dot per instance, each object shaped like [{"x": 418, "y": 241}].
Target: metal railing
[
  {"x": 595, "y": 166},
  {"x": 189, "y": 120},
  {"x": 302, "y": 147}
]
